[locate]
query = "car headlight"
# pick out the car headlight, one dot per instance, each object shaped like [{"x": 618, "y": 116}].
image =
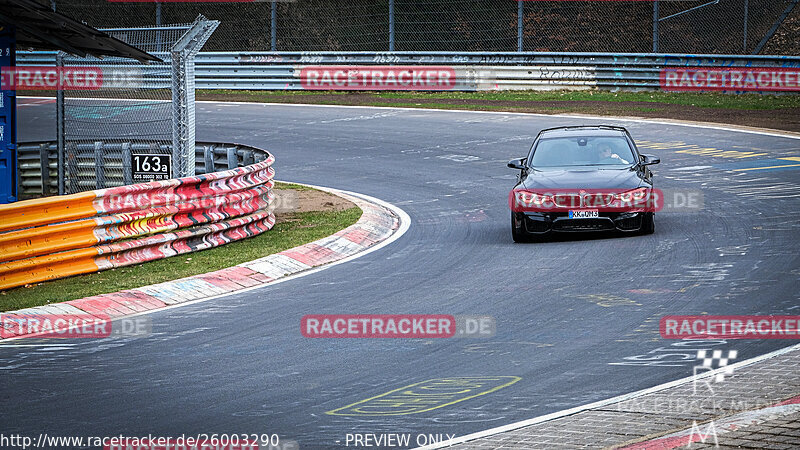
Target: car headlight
[
  {"x": 634, "y": 195},
  {"x": 528, "y": 198}
]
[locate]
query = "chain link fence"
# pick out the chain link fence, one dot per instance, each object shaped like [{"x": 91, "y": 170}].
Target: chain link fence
[
  {"x": 683, "y": 26},
  {"x": 97, "y": 123},
  {"x": 120, "y": 121}
]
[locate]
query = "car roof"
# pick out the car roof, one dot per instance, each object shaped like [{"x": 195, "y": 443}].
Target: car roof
[{"x": 584, "y": 130}]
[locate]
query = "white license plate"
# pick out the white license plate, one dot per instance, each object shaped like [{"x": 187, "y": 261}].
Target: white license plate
[{"x": 583, "y": 214}]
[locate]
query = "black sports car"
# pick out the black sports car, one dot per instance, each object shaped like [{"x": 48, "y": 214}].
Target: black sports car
[{"x": 583, "y": 178}]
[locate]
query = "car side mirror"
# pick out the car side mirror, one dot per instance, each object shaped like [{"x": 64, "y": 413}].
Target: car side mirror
[
  {"x": 518, "y": 163},
  {"x": 649, "y": 160}
]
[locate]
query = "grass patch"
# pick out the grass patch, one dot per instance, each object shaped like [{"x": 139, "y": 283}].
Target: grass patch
[
  {"x": 296, "y": 187},
  {"x": 526, "y": 99},
  {"x": 293, "y": 230},
  {"x": 702, "y": 100},
  {"x": 287, "y": 93}
]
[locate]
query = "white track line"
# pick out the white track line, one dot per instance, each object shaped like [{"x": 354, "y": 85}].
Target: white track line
[
  {"x": 606, "y": 402},
  {"x": 775, "y": 133},
  {"x": 708, "y": 126}
]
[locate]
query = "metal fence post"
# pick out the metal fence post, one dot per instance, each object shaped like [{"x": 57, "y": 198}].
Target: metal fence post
[
  {"x": 60, "y": 129},
  {"x": 655, "y": 26},
  {"x": 273, "y": 26},
  {"x": 519, "y": 25},
  {"x": 391, "y": 25},
  {"x": 182, "y": 81},
  {"x": 158, "y": 22},
  {"x": 746, "y": 14}
]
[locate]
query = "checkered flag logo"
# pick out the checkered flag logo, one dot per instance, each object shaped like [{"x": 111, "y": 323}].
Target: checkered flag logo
[{"x": 717, "y": 361}]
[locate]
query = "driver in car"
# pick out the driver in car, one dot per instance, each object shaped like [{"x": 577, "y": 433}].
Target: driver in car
[{"x": 605, "y": 155}]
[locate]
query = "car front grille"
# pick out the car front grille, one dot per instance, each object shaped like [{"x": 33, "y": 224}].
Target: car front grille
[{"x": 583, "y": 225}]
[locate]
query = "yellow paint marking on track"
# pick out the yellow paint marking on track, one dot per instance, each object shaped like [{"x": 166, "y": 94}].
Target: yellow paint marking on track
[
  {"x": 791, "y": 158},
  {"x": 425, "y": 396},
  {"x": 693, "y": 149},
  {"x": 768, "y": 167},
  {"x": 718, "y": 153}
]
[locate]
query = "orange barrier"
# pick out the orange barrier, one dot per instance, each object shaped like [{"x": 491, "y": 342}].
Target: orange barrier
[{"x": 56, "y": 237}]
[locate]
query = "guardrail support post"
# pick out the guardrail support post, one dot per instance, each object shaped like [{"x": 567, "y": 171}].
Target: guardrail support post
[
  {"x": 127, "y": 170},
  {"x": 44, "y": 163},
  {"x": 71, "y": 155},
  {"x": 208, "y": 152},
  {"x": 247, "y": 157},
  {"x": 233, "y": 160},
  {"x": 99, "y": 166}
]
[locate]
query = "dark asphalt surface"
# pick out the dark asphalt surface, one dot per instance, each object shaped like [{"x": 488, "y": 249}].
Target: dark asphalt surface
[{"x": 577, "y": 318}]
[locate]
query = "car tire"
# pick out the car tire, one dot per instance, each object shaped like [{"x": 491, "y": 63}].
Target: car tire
[
  {"x": 648, "y": 224},
  {"x": 516, "y": 233}
]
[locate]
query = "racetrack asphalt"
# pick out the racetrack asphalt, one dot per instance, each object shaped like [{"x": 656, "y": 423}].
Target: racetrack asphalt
[{"x": 577, "y": 318}]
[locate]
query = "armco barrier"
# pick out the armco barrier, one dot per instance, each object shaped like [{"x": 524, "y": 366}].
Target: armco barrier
[
  {"x": 55, "y": 237},
  {"x": 115, "y": 170},
  {"x": 484, "y": 71}
]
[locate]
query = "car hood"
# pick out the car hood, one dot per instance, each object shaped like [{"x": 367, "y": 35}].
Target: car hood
[{"x": 582, "y": 178}]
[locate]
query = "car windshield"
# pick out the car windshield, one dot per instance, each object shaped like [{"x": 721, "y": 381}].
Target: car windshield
[{"x": 582, "y": 151}]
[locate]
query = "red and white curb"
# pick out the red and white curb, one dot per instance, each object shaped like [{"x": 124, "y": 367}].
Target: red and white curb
[
  {"x": 712, "y": 430},
  {"x": 380, "y": 224}
]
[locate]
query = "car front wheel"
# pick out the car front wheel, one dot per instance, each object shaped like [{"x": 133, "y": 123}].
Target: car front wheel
[
  {"x": 648, "y": 223},
  {"x": 516, "y": 230}
]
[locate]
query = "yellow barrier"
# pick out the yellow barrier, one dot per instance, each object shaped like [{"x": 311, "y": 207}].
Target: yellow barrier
[{"x": 57, "y": 237}]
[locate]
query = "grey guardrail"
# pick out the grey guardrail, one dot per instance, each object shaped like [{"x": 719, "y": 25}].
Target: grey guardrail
[
  {"x": 474, "y": 70},
  {"x": 115, "y": 170}
]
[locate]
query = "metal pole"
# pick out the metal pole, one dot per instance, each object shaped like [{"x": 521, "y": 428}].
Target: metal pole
[
  {"x": 655, "y": 26},
  {"x": 775, "y": 26},
  {"x": 60, "y": 128},
  {"x": 519, "y": 25},
  {"x": 273, "y": 27},
  {"x": 746, "y": 14},
  {"x": 53, "y": 5},
  {"x": 391, "y": 25},
  {"x": 158, "y": 22}
]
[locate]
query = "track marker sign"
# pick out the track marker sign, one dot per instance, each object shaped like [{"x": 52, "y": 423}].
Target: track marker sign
[{"x": 151, "y": 167}]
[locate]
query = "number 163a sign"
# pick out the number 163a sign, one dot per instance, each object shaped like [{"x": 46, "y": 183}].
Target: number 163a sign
[{"x": 151, "y": 167}]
